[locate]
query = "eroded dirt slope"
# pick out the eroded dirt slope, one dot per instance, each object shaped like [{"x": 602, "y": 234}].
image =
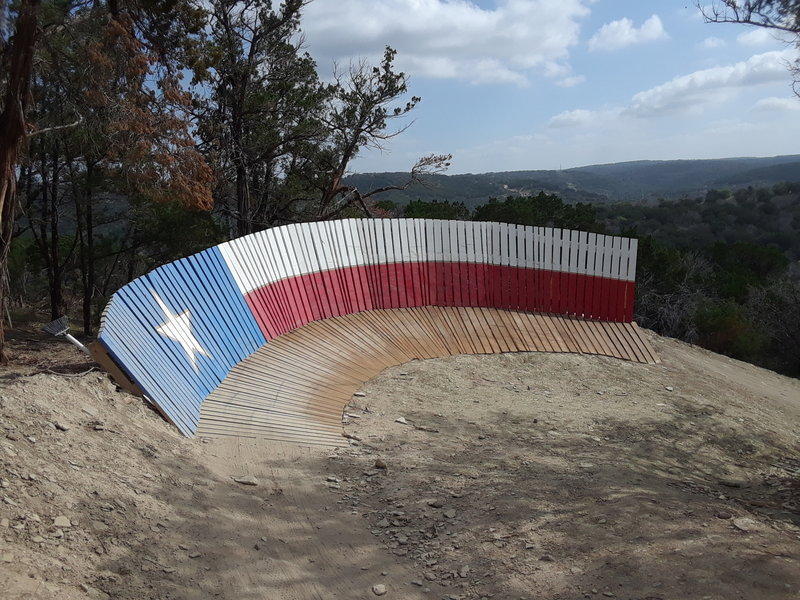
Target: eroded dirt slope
[{"x": 530, "y": 475}]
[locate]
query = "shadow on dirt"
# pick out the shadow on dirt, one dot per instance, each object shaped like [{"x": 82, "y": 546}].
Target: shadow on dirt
[
  {"x": 682, "y": 508},
  {"x": 249, "y": 542}
]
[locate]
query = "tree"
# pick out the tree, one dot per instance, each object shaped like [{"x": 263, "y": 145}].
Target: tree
[
  {"x": 258, "y": 102},
  {"x": 118, "y": 64},
  {"x": 17, "y": 61},
  {"x": 357, "y": 116},
  {"x": 775, "y": 307},
  {"x": 542, "y": 210},
  {"x": 281, "y": 139},
  {"x": 779, "y": 15},
  {"x": 418, "y": 209}
]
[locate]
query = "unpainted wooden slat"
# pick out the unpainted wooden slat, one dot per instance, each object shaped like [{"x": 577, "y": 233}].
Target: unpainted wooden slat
[{"x": 639, "y": 337}]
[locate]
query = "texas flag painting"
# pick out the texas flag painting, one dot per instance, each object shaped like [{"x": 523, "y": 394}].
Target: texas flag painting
[{"x": 178, "y": 331}]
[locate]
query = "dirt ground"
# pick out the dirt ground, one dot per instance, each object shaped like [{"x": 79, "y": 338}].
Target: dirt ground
[{"x": 537, "y": 476}]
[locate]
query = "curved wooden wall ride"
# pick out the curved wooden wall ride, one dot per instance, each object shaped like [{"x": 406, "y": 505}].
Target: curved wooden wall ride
[{"x": 217, "y": 340}]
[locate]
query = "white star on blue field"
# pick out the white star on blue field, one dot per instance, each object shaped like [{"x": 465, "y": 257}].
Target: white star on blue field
[
  {"x": 179, "y": 328},
  {"x": 547, "y": 84}
]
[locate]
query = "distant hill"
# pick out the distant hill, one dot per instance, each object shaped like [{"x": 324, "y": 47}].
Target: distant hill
[{"x": 617, "y": 182}]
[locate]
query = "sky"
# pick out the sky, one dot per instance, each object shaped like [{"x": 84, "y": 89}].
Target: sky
[{"x": 547, "y": 84}]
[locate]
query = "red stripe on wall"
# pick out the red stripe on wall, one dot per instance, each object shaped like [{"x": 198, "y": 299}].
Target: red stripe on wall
[{"x": 293, "y": 302}]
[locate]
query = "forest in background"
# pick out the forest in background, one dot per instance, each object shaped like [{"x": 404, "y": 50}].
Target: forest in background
[
  {"x": 133, "y": 133},
  {"x": 637, "y": 181},
  {"x": 721, "y": 271}
]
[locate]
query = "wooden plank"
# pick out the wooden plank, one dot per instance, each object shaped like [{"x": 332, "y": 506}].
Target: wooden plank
[
  {"x": 625, "y": 343},
  {"x": 639, "y": 338},
  {"x": 307, "y": 405}
]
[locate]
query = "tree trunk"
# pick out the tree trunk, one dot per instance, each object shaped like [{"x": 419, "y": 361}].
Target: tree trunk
[
  {"x": 84, "y": 218},
  {"x": 12, "y": 133},
  {"x": 57, "y": 279}
]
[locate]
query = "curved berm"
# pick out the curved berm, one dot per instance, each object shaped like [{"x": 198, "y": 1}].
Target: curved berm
[{"x": 270, "y": 334}]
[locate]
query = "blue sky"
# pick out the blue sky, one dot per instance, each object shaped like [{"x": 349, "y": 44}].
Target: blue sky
[{"x": 547, "y": 84}]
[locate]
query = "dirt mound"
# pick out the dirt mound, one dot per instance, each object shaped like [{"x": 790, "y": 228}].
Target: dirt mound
[{"x": 508, "y": 476}]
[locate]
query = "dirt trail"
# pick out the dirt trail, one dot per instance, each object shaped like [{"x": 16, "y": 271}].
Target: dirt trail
[{"x": 528, "y": 475}]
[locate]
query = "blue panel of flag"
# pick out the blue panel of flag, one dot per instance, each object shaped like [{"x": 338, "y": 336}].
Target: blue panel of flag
[{"x": 178, "y": 331}]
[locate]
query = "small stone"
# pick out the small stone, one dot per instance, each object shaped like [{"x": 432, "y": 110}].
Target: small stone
[
  {"x": 745, "y": 524},
  {"x": 12, "y": 436},
  {"x": 724, "y": 515},
  {"x": 379, "y": 589},
  {"x": 450, "y": 513},
  {"x": 417, "y": 583},
  {"x": 435, "y": 503},
  {"x": 99, "y": 427},
  {"x": 246, "y": 480},
  {"x": 332, "y": 478},
  {"x": 183, "y": 546},
  {"x": 546, "y": 558},
  {"x": 733, "y": 483},
  {"x": 62, "y": 522},
  {"x": 429, "y": 575},
  {"x": 669, "y": 388},
  {"x": 529, "y": 546},
  {"x": 586, "y": 466},
  {"x": 61, "y": 426},
  {"x": 464, "y": 571},
  {"x": 359, "y": 394},
  {"x": 379, "y": 463},
  {"x": 169, "y": 569},
  {"x": 383, "y": 523},
  {"x": 194, "y": 555},
  {"x": 37, "y": 539},
  {"x": 401, "y": 420},
  {"x": 608, "y": 594}
]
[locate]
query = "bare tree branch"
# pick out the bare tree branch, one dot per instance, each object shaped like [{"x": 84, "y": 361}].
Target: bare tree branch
[{"x": 56, "y": 127}]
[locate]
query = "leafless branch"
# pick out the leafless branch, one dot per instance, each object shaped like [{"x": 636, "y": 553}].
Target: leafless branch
[{"x": 56, "y": 127}]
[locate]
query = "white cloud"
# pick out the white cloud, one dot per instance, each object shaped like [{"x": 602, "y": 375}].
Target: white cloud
[
  {"x": 569, "y": 82},
  {"x": 622, "y": 33},
  {"x": 583, "y": 118},
  {"x": 573, "y": 118},
  {"x": 697, "y": 89},
  {"x": 453, "y": 39},
  {"x": 713, "y": 42},
  {"x": 756, "y": 37},
  {"x": 774, "y": 105}
]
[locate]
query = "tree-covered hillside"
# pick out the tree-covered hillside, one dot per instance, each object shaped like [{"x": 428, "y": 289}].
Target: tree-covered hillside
[{"x": 619, "y": 182}]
